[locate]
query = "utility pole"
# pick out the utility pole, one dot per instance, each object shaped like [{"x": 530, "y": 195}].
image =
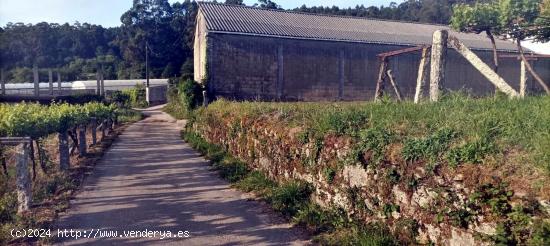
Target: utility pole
[{"x": 147, "y": 71}]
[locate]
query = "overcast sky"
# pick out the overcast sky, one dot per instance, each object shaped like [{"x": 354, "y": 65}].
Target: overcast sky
[{"x": 107, "y": 12}]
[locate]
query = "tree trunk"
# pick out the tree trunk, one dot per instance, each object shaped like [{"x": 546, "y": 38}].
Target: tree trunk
[
  {"x": 495, "y": 54},
  {"x": 64, "y": 154},
  {"x": 3, "y": 160},
  {"x": 530, "y": 69},
  {"x": 82, "y": 141},
  {"x": 41, "y": 156}
]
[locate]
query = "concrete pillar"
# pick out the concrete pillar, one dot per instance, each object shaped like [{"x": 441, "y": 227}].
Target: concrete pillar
[
  {"x": 94, "y": 131},
  {"x": 341, "y": 75},
  {"x": 98, "y": 86},
  {"x": 422, "y": 74},
  {"x": 280, "y": 72},
  {"x": 2, "y": 82},
  {"x": 82, "y": 140},
  {"x": 36, "y": 81},
  {"x": 50, "y": 81},
  {"x": 59, "y": 86},
  {"x": 102, "y": 76},
  {"x": 23, "y": 180},
  {"x": 438, "y": 63},
  {"x": 64, "y": 159},
  {"x": 523, "y": 80}
]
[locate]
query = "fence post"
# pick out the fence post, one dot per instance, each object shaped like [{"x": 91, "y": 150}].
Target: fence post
[
  {"x": 438, "y": 62},
  {"x": 523, "y": 80},
  {"x": 64, "y": 159},
  {"x": 422, "y": 74},
  {"x": 2, "y": 82},
  {"x": 36, "y": 81},
  {"x": 82, "y": 140},
  {"x": 380, "y": 80},
  {"x": 24, "y": 196},
  {"x": 94, "y": 131},
  {"x": 103, "y": 127}
]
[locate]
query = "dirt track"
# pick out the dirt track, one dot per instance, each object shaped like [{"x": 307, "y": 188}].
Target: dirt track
[{"x": 151, "y": 180}]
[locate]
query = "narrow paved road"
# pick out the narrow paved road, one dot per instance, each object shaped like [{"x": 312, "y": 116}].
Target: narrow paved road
[{"x": 151, "y": 180}]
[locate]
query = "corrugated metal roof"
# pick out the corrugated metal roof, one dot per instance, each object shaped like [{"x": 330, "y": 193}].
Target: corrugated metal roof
[{"x": 256, "y": 21}]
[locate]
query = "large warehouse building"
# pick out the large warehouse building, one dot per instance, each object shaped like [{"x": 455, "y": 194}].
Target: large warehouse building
[{"x": 251, "y": 53}]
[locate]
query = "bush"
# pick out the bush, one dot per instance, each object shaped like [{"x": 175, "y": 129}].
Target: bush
[
  {"x": 289, "y": 198},
  {"x": 183, "y": 98}
]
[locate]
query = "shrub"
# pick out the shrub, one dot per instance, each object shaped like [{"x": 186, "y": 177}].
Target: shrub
[
  {"x": 289, "y": 198},
  {"x": 183, "y": 98}
]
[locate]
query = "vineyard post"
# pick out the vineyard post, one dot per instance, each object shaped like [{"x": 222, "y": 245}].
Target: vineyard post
[
  {"x": 82, "y": 140},
  {"x": 94, "y": 130},
  {"x": 50, "y": 81},
  {"x": 64, "y": 160},
  {"x": 23, "y": 177},
  {"x": 438, "y": 62},
  {"x": 102, "y": 82},
  {"x": 103, "y": 129},
  {"x": 36, "y": 82}
]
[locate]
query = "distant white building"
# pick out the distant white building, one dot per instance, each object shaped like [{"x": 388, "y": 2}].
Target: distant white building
[{"x": 82, "y": 85}]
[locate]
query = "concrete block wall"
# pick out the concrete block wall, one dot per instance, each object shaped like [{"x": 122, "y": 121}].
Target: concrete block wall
[{"x": 245, "y": 67}]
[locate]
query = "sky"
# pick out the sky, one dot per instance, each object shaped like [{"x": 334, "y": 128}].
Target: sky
[{"x": 107, "y": 12}]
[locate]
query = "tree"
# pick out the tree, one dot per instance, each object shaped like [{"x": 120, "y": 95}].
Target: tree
[
  {"x": 477, "y": 18},
  {"x": 267, "y": 4},
  {"x": 518, "y": 20},
  {"x": 234, "y": 2}
]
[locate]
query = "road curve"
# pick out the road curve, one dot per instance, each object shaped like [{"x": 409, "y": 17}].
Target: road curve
[{"x": 151, "y": 181}]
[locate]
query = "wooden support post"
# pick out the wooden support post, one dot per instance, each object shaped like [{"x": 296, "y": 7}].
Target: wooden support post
[
  {"x": 523, "y": 80},
  {"x": 23, "y": 183},
  {"x": 59, "y": 83},
  {"x": 82, "y": 140},
  {"x": 381, "y": 76},
  {"x": 50, "y": 81},
  {"x": 94, "y": 131},
  {"x": 438, "y": 63},
  {"x": 394, "y": 85},
  {"x": 36, "y": 81},
  {"x": 422, "y": 74},
  {"x": 341, "y": 75},
  {"x": 64, "y": 156},
  {"x": 2, "y": 82},
  {"x": 280, "y": 72},
  {"x": 482, "y": 67}
]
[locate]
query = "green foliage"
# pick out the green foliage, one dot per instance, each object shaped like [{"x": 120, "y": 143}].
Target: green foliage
[
  {"x": 430, "y": 147},
  {"x": 329, "y": 174},
  {"x": 257, "y": 182},
  {"x": 541, "y": 234},
  {"x": 318, "y": 220},
  {"x": 289, "y": 198},
  {"x": 372, "y": 140},
  {"x": 8, "y": 207},
  {"x": 477, "y": 18},
  {"x": 34, "y": 120},
  {"x": 497, "y": 197},
  {"x": 184, "y": 98},
  {"x": 367, "y": 235}
]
